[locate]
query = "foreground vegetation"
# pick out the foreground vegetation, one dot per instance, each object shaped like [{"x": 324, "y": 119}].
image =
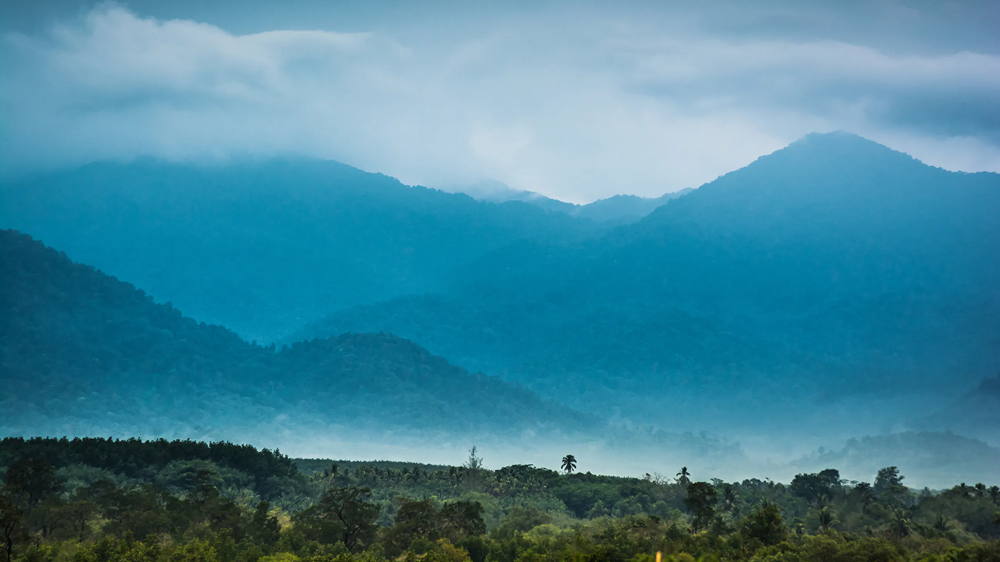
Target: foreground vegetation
[{"x": 98, "y": 500}]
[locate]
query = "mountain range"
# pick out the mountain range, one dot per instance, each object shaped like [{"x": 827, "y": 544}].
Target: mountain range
[
  {"x": 835, "y": 279},
  {"x": 264, "y": 247},
  {"x": 832, "y": 289}
]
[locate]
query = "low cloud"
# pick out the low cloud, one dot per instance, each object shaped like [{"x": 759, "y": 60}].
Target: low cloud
[{"x": 576, "y": 110}]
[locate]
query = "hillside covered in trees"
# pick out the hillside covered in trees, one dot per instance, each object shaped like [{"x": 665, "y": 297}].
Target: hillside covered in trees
[
  {"x": 265, "y": 247},
  {"x": 99, "y": 499},
  {"x": 87, "y": 354},
  {"x": 833, "y": 288},
  {"x": 830, "y": 287}
]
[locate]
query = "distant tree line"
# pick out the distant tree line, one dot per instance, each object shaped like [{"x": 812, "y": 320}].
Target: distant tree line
[{"x": 183, "y": 501}]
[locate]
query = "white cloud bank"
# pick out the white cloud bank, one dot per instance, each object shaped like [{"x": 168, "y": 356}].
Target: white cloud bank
[{"x": 575, "y": 111}]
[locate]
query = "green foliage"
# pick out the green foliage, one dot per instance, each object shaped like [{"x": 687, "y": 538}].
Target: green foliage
[
  {"x": 700, "y": 502},
  {"x": 813, "y": 486},
  {"x": 764, "y": 527},
  {"x": 405, "y": 512},
  {"x": 343, "y": 515}
]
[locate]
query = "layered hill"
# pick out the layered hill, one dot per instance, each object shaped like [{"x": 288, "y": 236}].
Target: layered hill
[
  {"x": 82, "y": 353},
  {"x": 615, "y": 210},
  {"x": 265, "y": 247},
  {"x": 833, "y": 285}
]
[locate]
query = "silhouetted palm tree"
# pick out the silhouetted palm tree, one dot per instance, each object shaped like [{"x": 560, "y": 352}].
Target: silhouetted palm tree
[
  {"x": 684, "y": 477},
  {"x": 994, "y": 493},
  {"x": 569, "y": 464}
]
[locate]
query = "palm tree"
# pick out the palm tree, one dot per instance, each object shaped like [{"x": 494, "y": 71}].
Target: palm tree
[
  {"x": 900, "y": 523},
  {"x": 569, "y": 464},
  {"x": 822, "y": 502},
  {"x": 684, "y": 477},
  {"x": 729, "y": 498},
  {"x": 826, "y": 518}
]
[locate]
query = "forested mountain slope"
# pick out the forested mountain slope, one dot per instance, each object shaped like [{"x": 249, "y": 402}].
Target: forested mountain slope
[
  {"x": 82, "y": 353},
  {"x": 835, "y": 277},
  {"x": 265, "y": 247}
]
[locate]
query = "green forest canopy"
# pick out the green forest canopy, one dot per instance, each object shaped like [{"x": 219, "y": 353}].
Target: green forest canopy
[{"x": 108, "y": 500}]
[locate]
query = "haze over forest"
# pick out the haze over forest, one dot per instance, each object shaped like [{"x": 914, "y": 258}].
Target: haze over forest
[{"x": 751, "y": 245}]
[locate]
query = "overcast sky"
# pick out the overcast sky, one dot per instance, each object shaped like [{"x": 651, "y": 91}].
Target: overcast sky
[{"x": 574, "y": 100}]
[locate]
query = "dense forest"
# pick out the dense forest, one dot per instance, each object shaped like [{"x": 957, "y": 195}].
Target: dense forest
[
  {"x": 84, "y": 350},
  {"x": 100, "y": 500}
]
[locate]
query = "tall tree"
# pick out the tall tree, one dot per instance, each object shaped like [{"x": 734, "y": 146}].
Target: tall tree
[
  {"x": 825, "y": 518},
  {"x": 569, "y": 464},
  {"x": 473, "y": 469},
  {"x": 31, "y": 480},
  {"x": 900, "y": 523},
  {"x": 684, "y": 477},
  {"x": 700, "y": 502},
  {"x": 343, "y": 515},
  {"x": 889, "y": 485},
  {"x": 10, "y": 522},
  {"x": 765, "y": 525},
  {"x": 729, "y": 497}
]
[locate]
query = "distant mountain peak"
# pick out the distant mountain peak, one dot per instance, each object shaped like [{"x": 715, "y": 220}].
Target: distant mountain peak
[{"x": 841, "y": 146}]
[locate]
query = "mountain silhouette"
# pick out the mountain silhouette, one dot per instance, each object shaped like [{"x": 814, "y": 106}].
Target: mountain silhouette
[
  {"x": 265, "y": 247},
  {"x": 820, "y": 280},
  {"x": 84, "y": 353}
]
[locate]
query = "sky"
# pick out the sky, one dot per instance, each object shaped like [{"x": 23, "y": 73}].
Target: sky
[{"x": 577, "y": 101}]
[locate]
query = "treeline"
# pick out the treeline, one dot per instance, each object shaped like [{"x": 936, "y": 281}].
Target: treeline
[
  {"x": 136, "y": 458},
  {"x": 182, "y": 501}
]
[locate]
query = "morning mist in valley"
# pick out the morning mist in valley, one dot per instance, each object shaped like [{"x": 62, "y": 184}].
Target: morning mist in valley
[{"x": 491, "y": 282}]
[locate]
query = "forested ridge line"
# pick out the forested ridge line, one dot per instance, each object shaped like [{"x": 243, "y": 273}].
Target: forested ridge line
[{"x": 102, "y": 500}]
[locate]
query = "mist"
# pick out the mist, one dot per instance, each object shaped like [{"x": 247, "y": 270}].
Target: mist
[
  {"x": 499, "y": 281},
  {"x": 575, "y": 103}
]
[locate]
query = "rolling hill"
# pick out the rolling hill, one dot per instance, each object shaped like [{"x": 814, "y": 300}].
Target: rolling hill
[
  {"x": 86, "y": 354},
  {"x": 266, "y": 247}
]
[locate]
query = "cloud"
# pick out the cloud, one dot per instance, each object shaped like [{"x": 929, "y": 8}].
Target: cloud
[
  {"x": 574, "y": 107},
  {"x": 949, "y": 95}
]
